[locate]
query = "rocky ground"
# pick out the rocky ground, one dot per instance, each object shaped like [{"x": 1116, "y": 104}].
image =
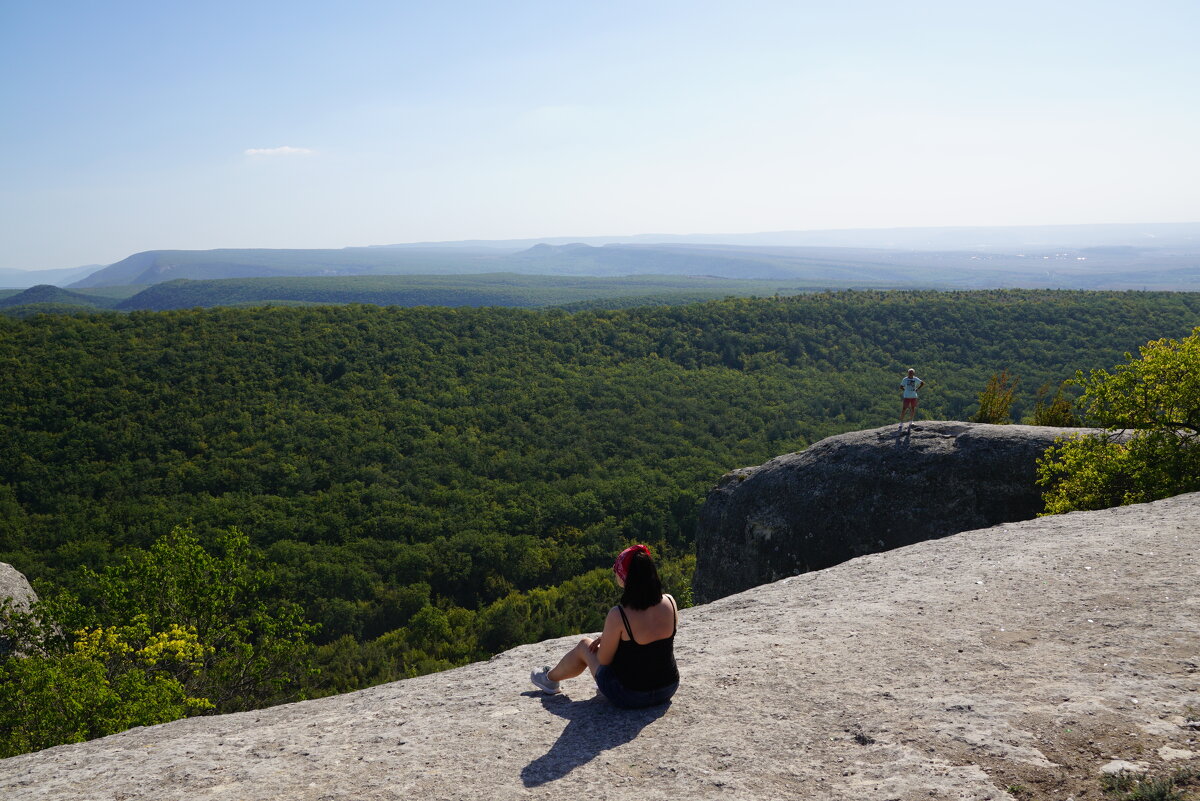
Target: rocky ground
[{"x": 1010, "y": 662}]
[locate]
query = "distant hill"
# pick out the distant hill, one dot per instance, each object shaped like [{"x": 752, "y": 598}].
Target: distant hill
[
  {"x": 1013, "y": 238},
  {"x": 157, "y": 266},
  {"x": 45, "y": 293},
  {"x": 1114, "y": 257},
  {"x": 21, "y": 279},
  {"x": 843, "y": 267}
]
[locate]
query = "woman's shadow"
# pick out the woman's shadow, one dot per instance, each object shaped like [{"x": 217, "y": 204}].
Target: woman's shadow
[{"x": 593, "y": 726}]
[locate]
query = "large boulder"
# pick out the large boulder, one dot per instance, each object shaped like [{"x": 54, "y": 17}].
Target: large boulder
[
  {"x": 864, "y": 492},
  {"x": 14, "y": 585},
  {"x": 14, "y": 590}
]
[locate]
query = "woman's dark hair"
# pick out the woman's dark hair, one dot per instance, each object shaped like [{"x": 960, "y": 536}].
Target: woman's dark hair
[{"x": 643, "y": 588}]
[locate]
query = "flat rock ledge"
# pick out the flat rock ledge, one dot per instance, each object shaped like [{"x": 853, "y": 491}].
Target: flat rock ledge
[{"x": 1028, "y": 655}]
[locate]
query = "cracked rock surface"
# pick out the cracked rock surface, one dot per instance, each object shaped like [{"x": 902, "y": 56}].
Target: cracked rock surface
[{"x": 1028, "y": 655}]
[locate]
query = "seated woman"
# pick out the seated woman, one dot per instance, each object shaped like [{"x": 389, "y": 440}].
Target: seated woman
[{"x": 633, "y": 659}]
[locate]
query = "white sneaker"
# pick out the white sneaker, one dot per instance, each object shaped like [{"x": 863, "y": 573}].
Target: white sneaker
[{"x": 541, "y": 679}]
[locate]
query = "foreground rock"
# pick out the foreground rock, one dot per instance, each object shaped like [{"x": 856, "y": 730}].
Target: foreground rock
[
  {"x": 1029, "y": 655},
  {"x": 17, "y": 594},
  {"x": 864, "y": 492},
  {"x": 15, "y": 586}
]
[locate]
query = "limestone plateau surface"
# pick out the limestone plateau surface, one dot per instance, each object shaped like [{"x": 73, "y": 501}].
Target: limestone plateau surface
[
  {"x": 864, "y": 492},
  {"x": 1026, "y": 655}
]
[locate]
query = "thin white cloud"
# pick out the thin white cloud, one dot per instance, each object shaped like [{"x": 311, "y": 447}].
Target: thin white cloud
[{"x": 286, "y": 150}]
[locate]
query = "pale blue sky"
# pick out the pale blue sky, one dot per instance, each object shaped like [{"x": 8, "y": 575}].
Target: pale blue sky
[{"x": 132, "y": 126}]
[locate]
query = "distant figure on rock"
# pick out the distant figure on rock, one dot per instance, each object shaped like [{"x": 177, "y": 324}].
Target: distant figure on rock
[
  {"x": 633, "y": 659},
  {"x": 908, "y": 391}
]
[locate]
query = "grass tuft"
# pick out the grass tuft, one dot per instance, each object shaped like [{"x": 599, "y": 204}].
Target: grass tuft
[{"x": 1134, "y": 787}]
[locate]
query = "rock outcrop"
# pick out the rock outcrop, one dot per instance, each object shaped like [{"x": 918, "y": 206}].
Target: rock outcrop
[
  {"x": 17, "y": 595},
  {"x": 1028, "y": 656},
  {"x": 864, "y": 492},
  {"x": 14, "y": 585}
]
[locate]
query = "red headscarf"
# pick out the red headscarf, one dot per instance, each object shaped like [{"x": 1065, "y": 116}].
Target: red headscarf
[{"x": 621, "y": 566}]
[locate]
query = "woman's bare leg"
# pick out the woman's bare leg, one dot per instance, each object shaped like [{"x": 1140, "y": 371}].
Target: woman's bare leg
[{"x": 577, "y": 660}]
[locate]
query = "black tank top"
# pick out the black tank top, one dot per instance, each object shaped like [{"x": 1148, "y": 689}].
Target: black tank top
[{"x": 646, "y": 667}]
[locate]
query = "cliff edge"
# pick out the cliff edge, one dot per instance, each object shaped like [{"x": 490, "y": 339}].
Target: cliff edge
[
  {"x": 864, "y": 492},
  {"x": 1029, "y": 655}
]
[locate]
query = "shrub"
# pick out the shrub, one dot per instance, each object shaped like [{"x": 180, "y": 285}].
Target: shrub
[
  {"x": 1151, "y": 410},
  {"x": 172, "y": 631},
  {"x": 996, "y": 399},
  {"x": 1058, "y": 411}
]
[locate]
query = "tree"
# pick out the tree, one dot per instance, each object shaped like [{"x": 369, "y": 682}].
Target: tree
[
  {"x": 256, "y": 646},
  {"x": 1058, "y": 411},
  {"x": 1150, "y": 409},
  {"x": 172, "y": 631},
  {"x": 996, "y": 399},
  {"x": 107, "y": 680}
]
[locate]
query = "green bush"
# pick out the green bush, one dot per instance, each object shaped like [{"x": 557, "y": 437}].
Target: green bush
[
  {"x": 1151, "y": 410},
  {"x": 172, "y": 631},
  {"x": 996, "y": 399},
  {"x": 1058, "y": 411},
  {"x": 108, "y": 681}
]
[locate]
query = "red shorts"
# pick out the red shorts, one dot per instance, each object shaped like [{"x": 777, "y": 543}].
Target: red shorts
[{"x": 910, "y": 402}]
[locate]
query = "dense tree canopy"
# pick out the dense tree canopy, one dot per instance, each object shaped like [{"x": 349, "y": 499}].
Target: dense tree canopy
[{"x": 430, "y": 485}]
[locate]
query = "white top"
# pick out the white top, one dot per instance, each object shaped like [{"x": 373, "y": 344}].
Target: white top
[{"x": 910, "y": 385}]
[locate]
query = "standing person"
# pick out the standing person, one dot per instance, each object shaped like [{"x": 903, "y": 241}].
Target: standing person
[
  {"x": 908, "y": 391},
  {"x": 633, "y": 659}
]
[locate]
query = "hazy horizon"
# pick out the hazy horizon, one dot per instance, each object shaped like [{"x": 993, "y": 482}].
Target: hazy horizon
[
  {"x": 139, "y": 126},
  {"x": 918, "y": 238}
]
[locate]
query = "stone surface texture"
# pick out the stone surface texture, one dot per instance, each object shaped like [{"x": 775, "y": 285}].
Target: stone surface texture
[
  {"x": 864, "y": 492},
  {"x": 14, "y": 585},
  {"x": 1009, "y": 662}
]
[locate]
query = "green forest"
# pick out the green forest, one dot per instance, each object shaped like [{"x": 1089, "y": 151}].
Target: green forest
[{"x": 388, "y": 491}]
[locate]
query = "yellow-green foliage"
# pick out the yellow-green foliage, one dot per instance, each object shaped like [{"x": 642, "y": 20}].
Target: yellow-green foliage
[
  {"x": 1155, "y": 400},
  {"x": 172, "y": 631},
  {"x": 137, "y": 644},
  {"x": 109, "y": 679}
]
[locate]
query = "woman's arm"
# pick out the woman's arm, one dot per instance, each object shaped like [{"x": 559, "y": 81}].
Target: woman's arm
[{"x": 605, "y": 646}]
